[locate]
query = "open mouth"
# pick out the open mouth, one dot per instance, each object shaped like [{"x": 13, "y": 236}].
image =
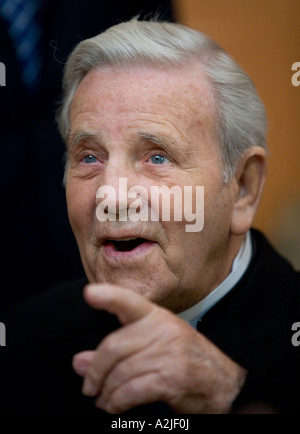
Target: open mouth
[{"x": 125, "y": 245}]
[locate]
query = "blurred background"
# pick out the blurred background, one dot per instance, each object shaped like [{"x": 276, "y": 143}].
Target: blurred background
[
  {"x": 36, "y": 36},
  {"x": 37, "y": 247},
  {"x": 263, "y": 36}
]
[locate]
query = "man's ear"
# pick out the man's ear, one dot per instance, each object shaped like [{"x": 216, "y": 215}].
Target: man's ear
[{"x": 250, "y": 178}]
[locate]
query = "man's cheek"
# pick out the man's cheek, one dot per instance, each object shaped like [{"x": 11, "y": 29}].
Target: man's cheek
[{"x": 80, "y": 203}]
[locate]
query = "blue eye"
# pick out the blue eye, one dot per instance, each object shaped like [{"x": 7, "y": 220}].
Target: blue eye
[
  {"x": 158, "y": 159},
  {"x": 88, "y": 159}
]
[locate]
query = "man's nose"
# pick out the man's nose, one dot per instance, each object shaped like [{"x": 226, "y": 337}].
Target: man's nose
[{"x": 115, "y": 184}]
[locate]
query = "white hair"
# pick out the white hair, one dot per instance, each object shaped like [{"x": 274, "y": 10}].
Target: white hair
[{"x": 241, "y": 119}]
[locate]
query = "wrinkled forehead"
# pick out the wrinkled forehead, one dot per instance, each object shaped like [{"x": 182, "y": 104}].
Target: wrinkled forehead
[{"x": 185, "y": 89}]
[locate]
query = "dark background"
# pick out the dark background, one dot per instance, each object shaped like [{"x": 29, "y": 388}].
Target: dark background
[{"x": 38, "y": 249}]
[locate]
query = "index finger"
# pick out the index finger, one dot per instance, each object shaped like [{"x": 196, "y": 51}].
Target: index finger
[{"x": 126, "y": 304}]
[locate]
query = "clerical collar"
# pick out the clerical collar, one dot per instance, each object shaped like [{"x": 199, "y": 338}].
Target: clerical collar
[{"x": 239, "y": 266}]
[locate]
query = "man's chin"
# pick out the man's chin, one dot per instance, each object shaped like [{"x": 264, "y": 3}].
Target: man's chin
[{"x": 147, "y": 286}]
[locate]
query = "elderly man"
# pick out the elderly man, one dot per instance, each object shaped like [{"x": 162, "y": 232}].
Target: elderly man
[{"x": 197, "y": 319}]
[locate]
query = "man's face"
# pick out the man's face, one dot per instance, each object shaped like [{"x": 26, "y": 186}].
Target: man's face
[{"x": 152, "y": 127}]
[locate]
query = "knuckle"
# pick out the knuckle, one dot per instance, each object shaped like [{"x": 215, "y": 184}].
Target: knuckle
[
  {"x": 120, "y": 372},
  {"x": 128, "y": 395},
  {"x": 110, "y": 345},
  {"x": 168, "y": 325}
]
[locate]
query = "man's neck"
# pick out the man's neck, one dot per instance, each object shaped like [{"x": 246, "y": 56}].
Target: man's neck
[{"x": 239, "y": 266}]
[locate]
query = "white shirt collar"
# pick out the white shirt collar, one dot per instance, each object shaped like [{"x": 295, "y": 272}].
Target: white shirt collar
[{"x": 239, "y": 266}]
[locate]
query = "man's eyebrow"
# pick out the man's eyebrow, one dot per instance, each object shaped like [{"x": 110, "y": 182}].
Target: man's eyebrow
[
  {"x": 79, "y": 136},
  {"x": 164, "y": 141},
  {"x": 168, "y": 143}
]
